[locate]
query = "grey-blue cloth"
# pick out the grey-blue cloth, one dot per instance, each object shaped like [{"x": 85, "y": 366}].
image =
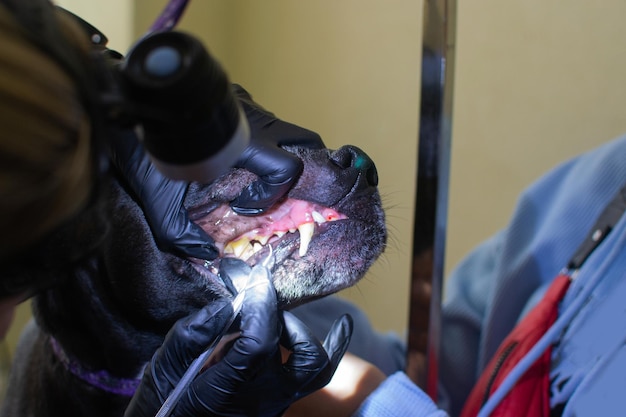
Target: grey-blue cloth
[{"x": 499, "y": 281}]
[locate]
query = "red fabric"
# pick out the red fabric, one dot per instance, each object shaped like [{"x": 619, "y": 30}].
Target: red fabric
[{"x": 530, "y": 396}]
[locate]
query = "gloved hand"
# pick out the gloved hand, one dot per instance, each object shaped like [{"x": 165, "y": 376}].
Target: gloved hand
[
  {"x": 251, "y": 379},
  {"x": 161, "y": 199},
  {"x": 277, "y": 169}
]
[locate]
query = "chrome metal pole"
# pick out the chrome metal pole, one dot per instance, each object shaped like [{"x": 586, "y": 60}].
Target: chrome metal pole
[{"x": 431, "y": 201}]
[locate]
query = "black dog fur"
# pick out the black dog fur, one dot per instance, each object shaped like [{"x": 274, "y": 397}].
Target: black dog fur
[{"x": 114, "y": 312}]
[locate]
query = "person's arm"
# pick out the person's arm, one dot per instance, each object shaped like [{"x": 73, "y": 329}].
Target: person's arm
[
  {"x": 359, "y": 389},
  {"x": 398, "y": 396},
  {"x": 352, "y": 382}
]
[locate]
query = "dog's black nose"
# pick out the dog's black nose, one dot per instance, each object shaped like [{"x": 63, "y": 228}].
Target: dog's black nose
[{"x": 351, "y": 157}]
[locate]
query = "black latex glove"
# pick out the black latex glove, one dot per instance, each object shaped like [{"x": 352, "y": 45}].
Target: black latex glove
[
  {"x": 161, "y": 200},
  {"x": 251, "y": 379},
  {"x": 277, "y": 169}
]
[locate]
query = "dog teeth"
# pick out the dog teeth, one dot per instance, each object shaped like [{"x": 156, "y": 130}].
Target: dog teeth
[
  {"x": 237, "y": 247},
  {"x": 252, "y": 242},
  {"x": 248, "y": 252},
  {"x": 256, "y": 247},
  {"x": 306, "y": 233},
  {"x": 317, "y": 216},
  {"x": 263, "y": 239}
]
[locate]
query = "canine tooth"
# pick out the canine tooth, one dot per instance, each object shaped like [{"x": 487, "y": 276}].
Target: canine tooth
[
  {"x": 240, "y": 250},
  {"x": 306, "y": 233},
  {"x": 237, "y": 247},
  {"x": 247, "y": 252},
  {"x": 317, "y": 216},
  {"x": 229, "y": 248},
  {"x": 279, "y": 234},
  {"x": 293, "y": 230}
]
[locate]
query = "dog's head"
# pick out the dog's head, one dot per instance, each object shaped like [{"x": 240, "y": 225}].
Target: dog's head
[{"x": 324, "y": 235}]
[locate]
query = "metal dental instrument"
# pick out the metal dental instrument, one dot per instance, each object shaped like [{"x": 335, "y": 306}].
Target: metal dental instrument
[
  {"x": 431, "y": 201},
  {"x": 262, "y": 270},
  {"x": 198, "y": 363}
]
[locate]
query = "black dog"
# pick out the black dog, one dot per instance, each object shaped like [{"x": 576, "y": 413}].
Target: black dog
[{"x": 95, "y": 333}]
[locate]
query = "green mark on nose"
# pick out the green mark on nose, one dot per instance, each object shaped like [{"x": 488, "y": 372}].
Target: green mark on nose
[{"x": 362, "y": 161}]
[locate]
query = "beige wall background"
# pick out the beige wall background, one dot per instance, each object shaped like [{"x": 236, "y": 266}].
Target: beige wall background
[{"x": 536, "y": 82}]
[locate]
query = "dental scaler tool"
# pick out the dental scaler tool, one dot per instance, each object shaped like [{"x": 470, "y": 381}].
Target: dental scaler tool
[{"x": 243, "y": 279}]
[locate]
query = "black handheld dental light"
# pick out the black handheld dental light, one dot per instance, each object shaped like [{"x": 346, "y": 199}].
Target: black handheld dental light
[{"x": 190, "y": 122}]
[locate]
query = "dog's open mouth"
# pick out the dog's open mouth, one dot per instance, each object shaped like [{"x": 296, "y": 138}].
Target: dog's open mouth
[
  {"x": 323, "y": 237},
  {"x": 289, "y": 228}
]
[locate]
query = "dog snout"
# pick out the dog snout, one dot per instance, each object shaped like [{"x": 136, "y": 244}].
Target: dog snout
[{"x": 352, "y": 158}]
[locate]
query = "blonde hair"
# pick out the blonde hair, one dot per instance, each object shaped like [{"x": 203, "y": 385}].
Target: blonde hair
[{"x": 45, "y": 139}]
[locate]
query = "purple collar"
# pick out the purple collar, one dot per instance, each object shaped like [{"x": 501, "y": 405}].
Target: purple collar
[{"x": 99, "y": 379}]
